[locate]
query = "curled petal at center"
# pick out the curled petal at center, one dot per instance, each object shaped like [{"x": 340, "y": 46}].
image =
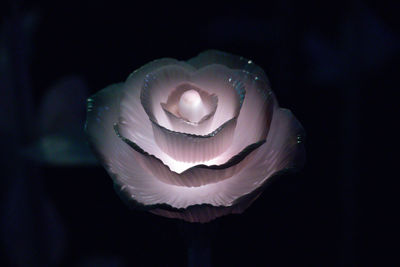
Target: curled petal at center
[{"x": 181, "y": 124}]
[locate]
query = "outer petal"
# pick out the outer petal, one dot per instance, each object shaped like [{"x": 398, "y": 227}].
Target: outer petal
[
  {"x": 231, "y": 61},
  {"x": 255, "y": 116},
  {"x": 207, "y": 213}
]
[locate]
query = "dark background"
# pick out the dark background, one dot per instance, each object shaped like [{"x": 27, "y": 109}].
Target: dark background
[{"x": 333, "y": 63}]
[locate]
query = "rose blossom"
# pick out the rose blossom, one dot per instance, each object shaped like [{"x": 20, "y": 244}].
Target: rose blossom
[{"x": 193, "y": 140}]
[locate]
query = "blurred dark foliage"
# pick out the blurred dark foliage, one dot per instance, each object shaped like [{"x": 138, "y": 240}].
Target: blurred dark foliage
[{"x": 333, "y": 63}]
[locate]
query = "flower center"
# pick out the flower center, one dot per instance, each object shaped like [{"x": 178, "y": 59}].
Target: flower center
[{"x": 191, "y": 106}]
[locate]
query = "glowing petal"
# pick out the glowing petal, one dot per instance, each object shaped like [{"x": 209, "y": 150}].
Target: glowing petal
[{"x": 179, "y": 124}]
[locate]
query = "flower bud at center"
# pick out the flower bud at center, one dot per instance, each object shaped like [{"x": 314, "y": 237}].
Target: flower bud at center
[{"x": 191, "y": 106}]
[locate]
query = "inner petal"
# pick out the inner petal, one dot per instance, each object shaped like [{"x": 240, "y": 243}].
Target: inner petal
[
  {"x": 191, "y": 106},
  {"x": 187, "y": 118},
  {"x": 157, "y": 86},
  {"x": 228, "y": 85}
]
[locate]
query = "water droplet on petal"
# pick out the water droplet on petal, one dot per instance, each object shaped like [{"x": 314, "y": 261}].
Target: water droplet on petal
[{"x": 299, "y": 139}]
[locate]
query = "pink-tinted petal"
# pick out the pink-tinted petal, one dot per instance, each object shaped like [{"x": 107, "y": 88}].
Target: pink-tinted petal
[
  {"x": 204, "y": 213},
  {"x": 195, "y": 148},
  {"x": 227, "y": 85},
  {"x": 156, "y": 88},
  {"x": 181, "y": 124},
  {"x": 131, "y": 111},
  {"x": 229, "y": 60},
  {"x": 255, "y": 116},
  {"x": 283, "y": 150}
]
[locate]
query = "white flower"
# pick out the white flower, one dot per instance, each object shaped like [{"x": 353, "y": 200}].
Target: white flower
[{"x": 193, "y": 140}]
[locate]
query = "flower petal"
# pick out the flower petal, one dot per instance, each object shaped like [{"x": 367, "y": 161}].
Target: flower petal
[
  {"x": 227, "y": 85},
  {"x": 229, "y": 60},
  {"x": 194, "y": 148},
  {"x": 102, "y": 111},
  {"x": 131, "y": 110},
  {"x": 156, "y": 88},
  {"x": 255, "y": 116},
  {"x": 181, "y": 124},
  {"x": 206, "y": 213}
]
